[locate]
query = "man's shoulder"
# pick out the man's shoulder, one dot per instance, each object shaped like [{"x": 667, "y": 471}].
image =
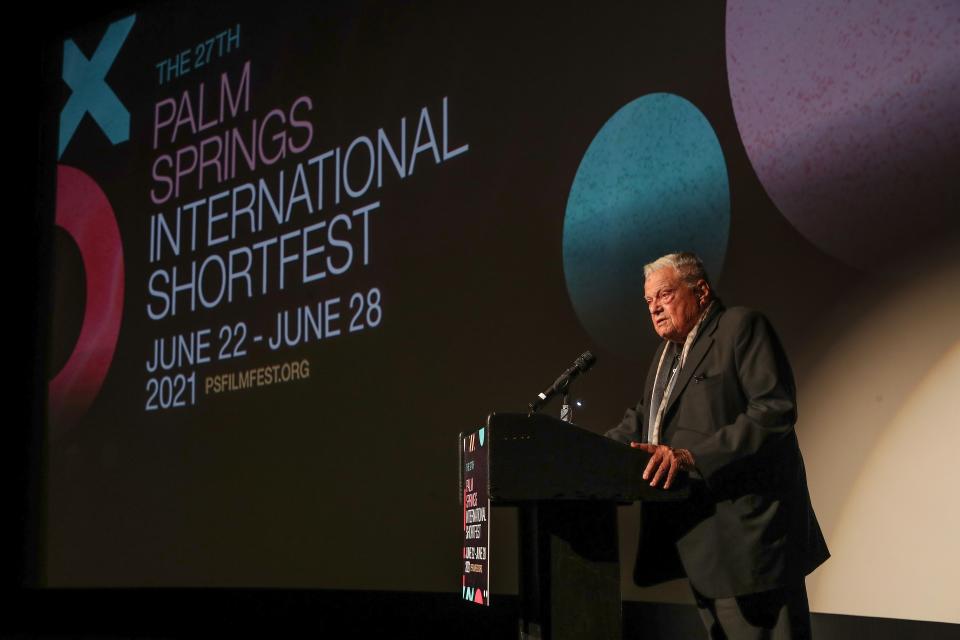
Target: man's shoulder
[
  {"x": 737, "y": 316},
  {"x": 742, "y": 321}
]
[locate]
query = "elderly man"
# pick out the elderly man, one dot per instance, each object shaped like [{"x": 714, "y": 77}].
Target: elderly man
[{"x": 719, "y": 402}]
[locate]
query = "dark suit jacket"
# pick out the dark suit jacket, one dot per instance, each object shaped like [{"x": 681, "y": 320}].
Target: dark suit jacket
[{"x": 748, "y": 525}]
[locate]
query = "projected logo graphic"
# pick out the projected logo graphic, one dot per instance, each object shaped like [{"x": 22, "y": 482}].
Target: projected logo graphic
[
  {"x": 84, "y": 212},
  {"x": 653, "y": 180},
  {"x": 853, "y": 125},
  {"x": 91, "y": 94}
]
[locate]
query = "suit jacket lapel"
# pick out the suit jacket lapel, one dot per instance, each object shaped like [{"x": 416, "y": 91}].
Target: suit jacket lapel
[{"x": 700, "y": 347}]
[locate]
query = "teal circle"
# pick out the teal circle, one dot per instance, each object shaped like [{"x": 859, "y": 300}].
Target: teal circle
[{"x": 653, "y": 181}]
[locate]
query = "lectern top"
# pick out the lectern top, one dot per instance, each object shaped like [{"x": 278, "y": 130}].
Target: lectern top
[{"x": 538, "y": 457}]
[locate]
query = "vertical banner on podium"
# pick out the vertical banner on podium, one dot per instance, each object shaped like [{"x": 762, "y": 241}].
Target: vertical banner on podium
[{"x": 474, "y": 449}]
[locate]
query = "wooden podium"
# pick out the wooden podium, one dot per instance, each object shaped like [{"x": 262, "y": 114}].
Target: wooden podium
[{"x": 566, "y": 483}]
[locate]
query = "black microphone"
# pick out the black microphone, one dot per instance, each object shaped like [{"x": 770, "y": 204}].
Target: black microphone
[{"x": 582, "y": 364}]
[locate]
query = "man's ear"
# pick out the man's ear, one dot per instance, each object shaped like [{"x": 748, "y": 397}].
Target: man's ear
[{"x": 703, "y": 291}]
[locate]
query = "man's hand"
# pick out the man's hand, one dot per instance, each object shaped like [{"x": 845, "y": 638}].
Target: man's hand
[{"x": 664, "y": 460}]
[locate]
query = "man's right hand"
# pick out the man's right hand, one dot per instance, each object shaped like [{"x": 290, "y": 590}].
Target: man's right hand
[{"x": 664, "y": 460}]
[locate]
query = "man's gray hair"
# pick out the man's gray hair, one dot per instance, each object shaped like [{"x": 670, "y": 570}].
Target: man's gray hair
[{"x": 688, "y": 265}]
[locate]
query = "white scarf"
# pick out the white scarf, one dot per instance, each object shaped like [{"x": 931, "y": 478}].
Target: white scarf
[{"x": 653, "y": 433}]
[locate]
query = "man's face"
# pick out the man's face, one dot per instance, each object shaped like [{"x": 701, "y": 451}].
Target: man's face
[{"x": 674, "y": 306}]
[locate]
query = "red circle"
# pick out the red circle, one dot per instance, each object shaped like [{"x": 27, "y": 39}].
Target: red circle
[{"x": 84, "y": 212}]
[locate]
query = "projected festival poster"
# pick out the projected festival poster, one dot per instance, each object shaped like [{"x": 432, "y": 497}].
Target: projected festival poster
[
  {"x": 246, "y": 290},
  {"x": 298, "y": 247}
]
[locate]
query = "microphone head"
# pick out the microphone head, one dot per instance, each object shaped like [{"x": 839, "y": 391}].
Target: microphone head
[{"x": 585, "y": 361}]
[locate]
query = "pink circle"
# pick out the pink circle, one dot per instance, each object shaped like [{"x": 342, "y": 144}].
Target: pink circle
[
  {"x": 84, "y": 212},
  {"x": 850, "y": 115}
]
